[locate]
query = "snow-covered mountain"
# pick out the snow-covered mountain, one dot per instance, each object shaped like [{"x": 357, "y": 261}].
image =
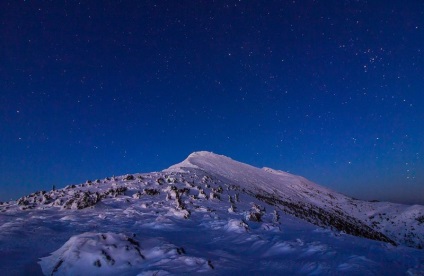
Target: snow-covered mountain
[{"x": 208, "y": 214}]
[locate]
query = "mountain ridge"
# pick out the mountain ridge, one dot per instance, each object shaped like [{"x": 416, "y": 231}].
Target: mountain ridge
[
  {"x": 227, "y": 200},
  {"x": 281, "y": 189}
]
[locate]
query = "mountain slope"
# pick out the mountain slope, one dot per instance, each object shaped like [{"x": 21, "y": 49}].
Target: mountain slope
[
  {"x": 389, "y": 222},
  {"x": 208, "y": 214}
]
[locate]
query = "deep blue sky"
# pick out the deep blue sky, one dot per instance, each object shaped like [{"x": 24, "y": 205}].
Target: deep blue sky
[{"x": 330, "y": 90}]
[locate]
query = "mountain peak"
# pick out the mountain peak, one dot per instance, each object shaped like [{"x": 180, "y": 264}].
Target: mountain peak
[
  {"x": 198, "y": 159},
  {"x": 223, "y": 167},
  {"x": 206, "y": 155},
  {"x": 203, "y": 153}
]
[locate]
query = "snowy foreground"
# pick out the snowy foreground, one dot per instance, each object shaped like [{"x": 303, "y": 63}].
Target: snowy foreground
[{"x": 208, "y": 214}]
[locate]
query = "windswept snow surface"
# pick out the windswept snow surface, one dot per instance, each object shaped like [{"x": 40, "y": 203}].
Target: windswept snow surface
[{"x": 212, "y": 215}]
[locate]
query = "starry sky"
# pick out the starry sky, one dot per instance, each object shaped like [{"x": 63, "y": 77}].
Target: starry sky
[{"x": 330, "y": 90}]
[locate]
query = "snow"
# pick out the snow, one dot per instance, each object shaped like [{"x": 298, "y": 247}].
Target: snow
[
  {"x": 208, "y": 214},
  {"x": 109, "y": 252},
  {"x": 237, "y": 226},
  {"x": 396, "y": 220}
]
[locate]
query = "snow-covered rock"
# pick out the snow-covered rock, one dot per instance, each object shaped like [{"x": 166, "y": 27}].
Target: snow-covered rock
[{"x": 102, "y": 253}]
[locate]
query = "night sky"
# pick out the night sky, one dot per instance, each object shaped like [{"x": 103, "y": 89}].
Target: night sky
[{"x": 330, "y": 90}]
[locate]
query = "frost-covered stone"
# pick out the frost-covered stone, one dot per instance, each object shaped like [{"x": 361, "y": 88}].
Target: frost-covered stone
[{"x": 102, "y": 253}]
